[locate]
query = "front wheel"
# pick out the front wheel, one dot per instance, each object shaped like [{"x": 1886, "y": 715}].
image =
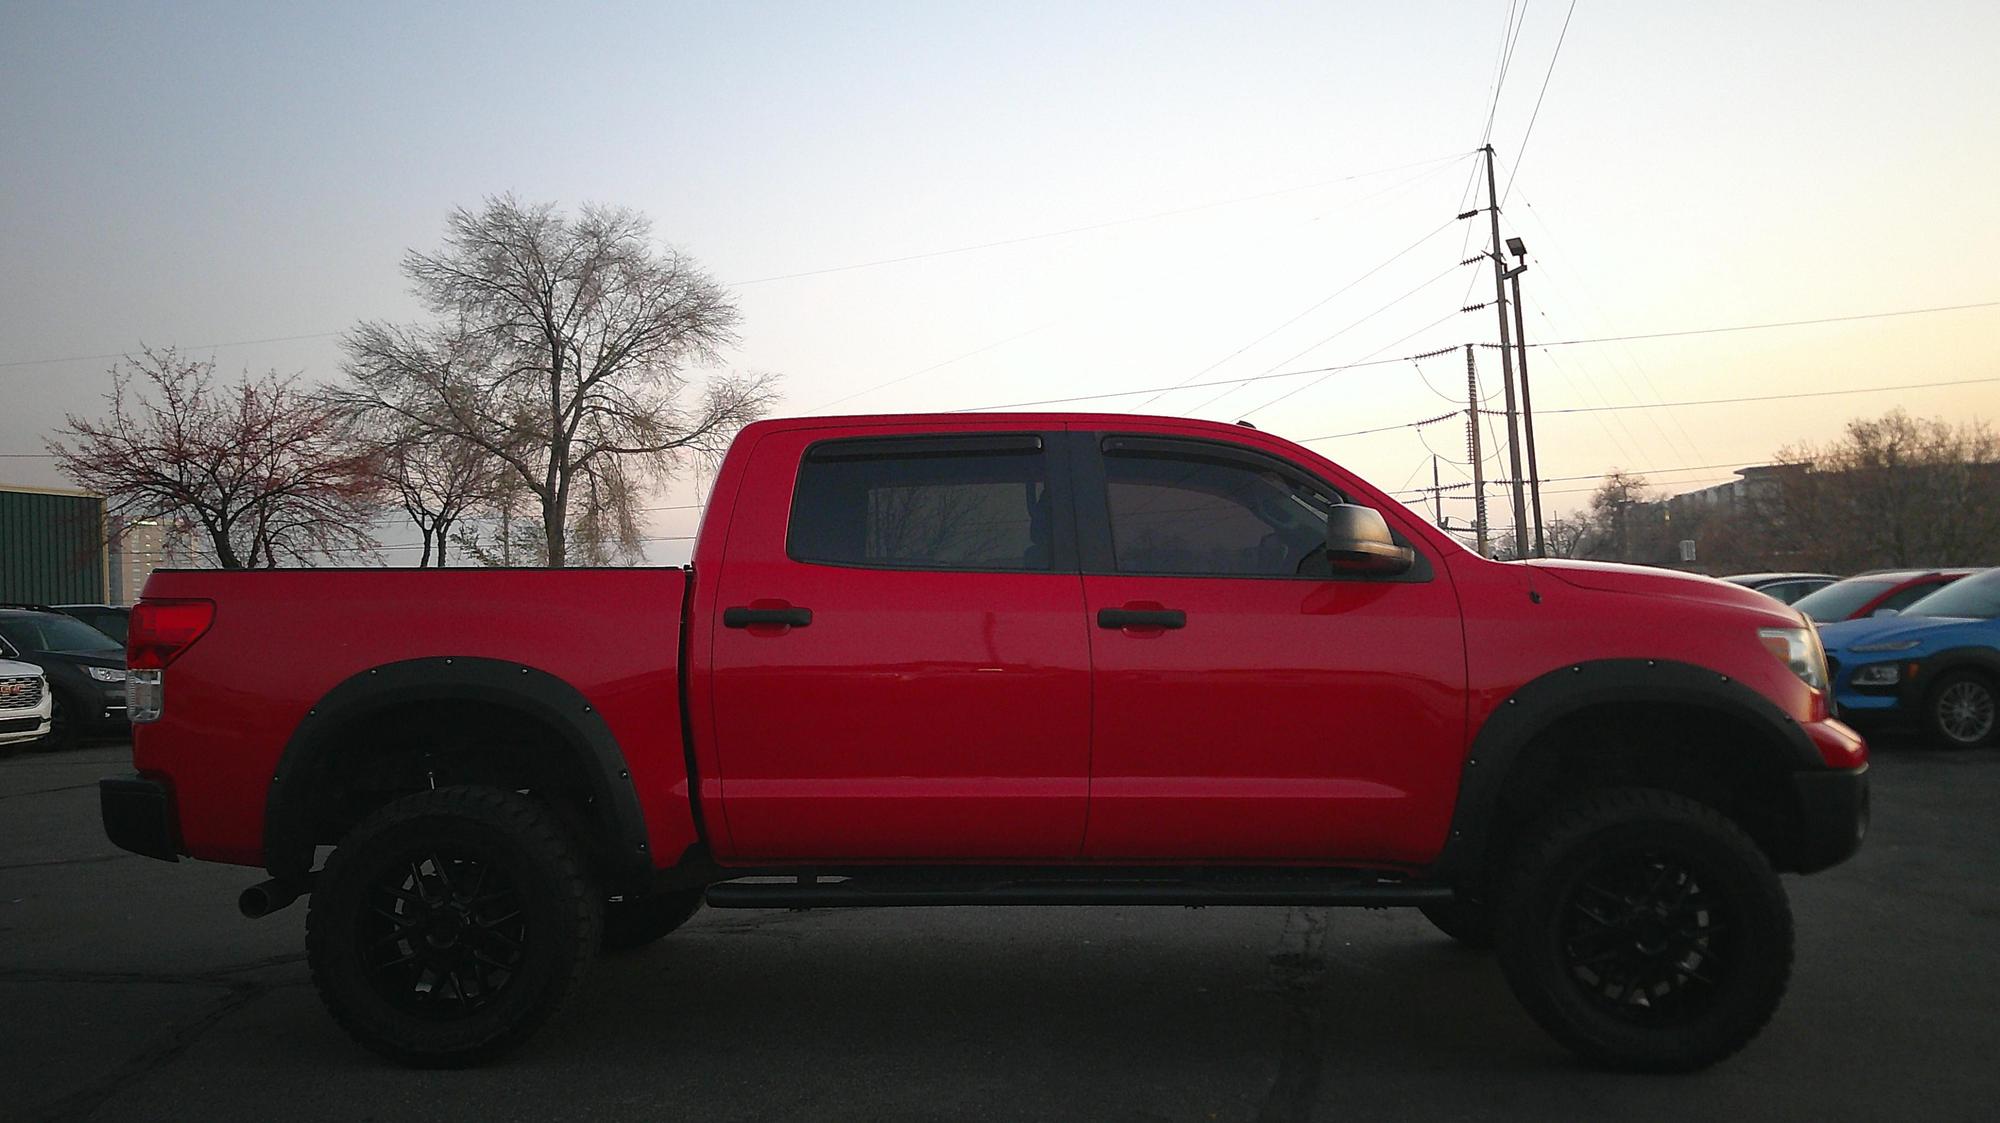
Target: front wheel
[
  {"x": 64, "y": 733},
  {"x": 1961, "y": 712},
  {"x": 450, "y": 924},
  {"x": 1644, "y": 930}
]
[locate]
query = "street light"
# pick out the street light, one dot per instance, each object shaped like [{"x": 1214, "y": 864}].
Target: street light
[{"x": 1520, "y": 251}]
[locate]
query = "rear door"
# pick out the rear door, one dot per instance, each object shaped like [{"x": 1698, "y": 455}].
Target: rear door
[
  {"x": 1248, "y": 704},
  {"x": 900, "y": 668}
]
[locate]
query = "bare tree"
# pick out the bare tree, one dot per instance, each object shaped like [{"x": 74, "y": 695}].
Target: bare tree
[
  {"x": 1892, "y": 491},
  {"x": 562, "y": 352},
  {"x": 437, "y": 480},
  {"x": 251, "y": 474}
]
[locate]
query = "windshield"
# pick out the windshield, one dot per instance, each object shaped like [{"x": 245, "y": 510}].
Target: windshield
[
  {"x": 1842, "y": 599},
  {"x": 49, "y": 632},
  {"x": 1977, "y": 597}
]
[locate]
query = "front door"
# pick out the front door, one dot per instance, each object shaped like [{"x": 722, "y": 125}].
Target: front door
[
  {"x": 1249, "y": 704},
  {"x": 929, "y": 698}
]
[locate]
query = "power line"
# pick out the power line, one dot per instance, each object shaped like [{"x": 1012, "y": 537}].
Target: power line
[
  {"x": 846, "y": 268},
  {"x": 1389, "y": 428},
  {"x": 1343, "y": 331},
  {"x": 1760, "y": 327},
  {"x": 1086, "y": 228},
  {"x": 1314, "y": 307},
  {"x": 1523, "y": 147},
  {"x": 1766, "y": 397},
  {"x": 1198, "y": 385},
  {"x": 196, "y": 347},
  {"x": 1393, "y": 343}
]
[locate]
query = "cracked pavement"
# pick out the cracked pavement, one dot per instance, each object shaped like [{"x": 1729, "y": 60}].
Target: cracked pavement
[{"x": 131, "y": 989}]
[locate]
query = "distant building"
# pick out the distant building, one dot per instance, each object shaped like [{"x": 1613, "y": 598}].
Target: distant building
[
  {"x": 138, "y": 549},
  {"x": 51, "y": 546}
]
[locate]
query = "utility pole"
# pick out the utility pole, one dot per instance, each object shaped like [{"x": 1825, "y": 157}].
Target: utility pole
[
  {"x": 1472, "y": 451},
  {"x": 1437, "y": 493},
  {"x": 1520, "y": 251},
  {"x": 1506, "y": 361}
]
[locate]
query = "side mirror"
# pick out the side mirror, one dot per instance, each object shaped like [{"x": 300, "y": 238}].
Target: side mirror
[{"x": 1358, "y": 541}]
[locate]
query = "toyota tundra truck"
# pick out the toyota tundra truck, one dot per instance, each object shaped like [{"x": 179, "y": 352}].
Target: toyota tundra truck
[{"x": 987, "y": 659}]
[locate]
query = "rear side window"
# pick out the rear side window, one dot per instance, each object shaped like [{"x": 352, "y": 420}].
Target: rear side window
[{"x": 975, "y": 503}]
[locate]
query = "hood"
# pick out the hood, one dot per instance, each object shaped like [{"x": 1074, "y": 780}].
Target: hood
[
  {"x": 1646, "y": 580},
  {"x": 1893, "y": 629},
  {"x": 10, "y": 669}
]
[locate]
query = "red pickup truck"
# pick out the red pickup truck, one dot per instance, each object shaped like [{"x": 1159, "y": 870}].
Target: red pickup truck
[{"x": 1003, "y": 659}]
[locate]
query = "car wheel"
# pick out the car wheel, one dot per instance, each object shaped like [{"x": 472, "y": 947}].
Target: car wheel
[
  {"x": 450, "y": 924},
  {"x": 1960, "y": 711},
  {"x": 1468, "y": 922},
  {"x": 638, "y": 921},
  {"x": 63, "y": 731},
  {"x": 1646, "y": 931}
]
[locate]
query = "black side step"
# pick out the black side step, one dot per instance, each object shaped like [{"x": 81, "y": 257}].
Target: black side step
[{"x": 849, "y": 894}]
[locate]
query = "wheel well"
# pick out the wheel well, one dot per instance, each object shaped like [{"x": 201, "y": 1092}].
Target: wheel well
[
  {"x": 1704, "y": 754},
  {"x": 392, "y": 751}
]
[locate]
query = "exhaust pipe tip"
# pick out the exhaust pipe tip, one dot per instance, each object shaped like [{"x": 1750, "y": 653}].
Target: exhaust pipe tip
[{"x": 267, "y": 897}]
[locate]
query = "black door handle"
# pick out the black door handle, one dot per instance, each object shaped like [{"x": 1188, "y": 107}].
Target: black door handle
[
  {"x": 742, "y": 616},
  {"x": 1141, "y": 618}
]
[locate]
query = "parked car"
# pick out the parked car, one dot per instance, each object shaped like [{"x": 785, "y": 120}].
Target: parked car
[
  {"x": 1002, "y": 660},
  {"x": 85, "y": 669},
  {"x": 1786, "y": 588},
  {"x": 1878, "y": 592},
  {"x": 24, "y": 705},
  {"x": 1934, "y": 667},
  {"x": 107, "y": 618}
]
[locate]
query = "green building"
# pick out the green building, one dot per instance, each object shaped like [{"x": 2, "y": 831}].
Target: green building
[{"x": 52, "y": 546}]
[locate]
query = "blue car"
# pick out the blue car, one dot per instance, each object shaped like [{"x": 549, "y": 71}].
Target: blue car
[{"x": 1934, "y": 667}]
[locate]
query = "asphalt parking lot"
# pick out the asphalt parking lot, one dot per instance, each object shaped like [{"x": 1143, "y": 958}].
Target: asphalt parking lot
[{"x": 131, "y": 989}]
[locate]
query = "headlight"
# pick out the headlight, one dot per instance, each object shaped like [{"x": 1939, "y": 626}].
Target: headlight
[
  {"x": 1879, "y": 674},
  {"x": 107, "y": 674},
  {"x": 1893, "y": 645},
  {"x": 1799, "y": 649}
]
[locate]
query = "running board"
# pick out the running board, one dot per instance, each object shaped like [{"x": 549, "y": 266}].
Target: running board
[{"x": 804, "y": 894}]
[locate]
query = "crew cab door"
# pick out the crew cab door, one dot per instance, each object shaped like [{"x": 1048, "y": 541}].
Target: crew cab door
[
  {"x": 1249, "y": 704},
  {"x": 898, "y": 662}
]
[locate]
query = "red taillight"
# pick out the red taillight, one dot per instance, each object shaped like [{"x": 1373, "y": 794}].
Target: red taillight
[{"x": 161, "y": 629}]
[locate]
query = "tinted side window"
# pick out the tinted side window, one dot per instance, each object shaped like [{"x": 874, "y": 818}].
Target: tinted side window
[
  {"x": 1222, "y": 517},
  {"x": 927, "y": 506},
  {"x": 1904, "y": 598}
]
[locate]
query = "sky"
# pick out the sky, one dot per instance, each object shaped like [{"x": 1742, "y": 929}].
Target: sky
[{"x": 950, "y": 206}]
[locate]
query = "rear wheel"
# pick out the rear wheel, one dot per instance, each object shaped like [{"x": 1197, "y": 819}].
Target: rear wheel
[
  {"x": 1961, "y": 711},
  {"x": 638, "y": 921},
  {"x": 450, "y": 925},
  {"x": 1645, "y": 930}
]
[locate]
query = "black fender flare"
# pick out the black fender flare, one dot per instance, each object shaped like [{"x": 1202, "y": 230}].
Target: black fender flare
[
  {"x": 1537, "y": 706},
  {"x": 501, "y": 684}
]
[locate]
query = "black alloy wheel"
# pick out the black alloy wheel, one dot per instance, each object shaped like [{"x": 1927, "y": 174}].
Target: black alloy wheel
[
  {"x": 1644, "y": 939},
  {"x": 1645, "y": 930},
  {"x": 450, "y": 924}
]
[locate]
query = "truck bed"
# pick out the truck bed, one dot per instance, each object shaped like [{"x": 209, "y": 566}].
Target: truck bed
[{"x": 283, "y": 639}]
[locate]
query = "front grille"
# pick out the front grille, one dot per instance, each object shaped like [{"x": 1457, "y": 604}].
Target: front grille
[{"x": 20, "y": 693}]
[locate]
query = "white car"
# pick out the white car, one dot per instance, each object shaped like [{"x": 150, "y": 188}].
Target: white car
[{"x": 25, "y": 704}]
